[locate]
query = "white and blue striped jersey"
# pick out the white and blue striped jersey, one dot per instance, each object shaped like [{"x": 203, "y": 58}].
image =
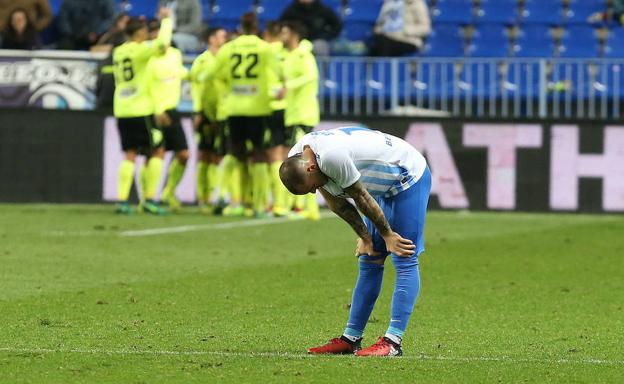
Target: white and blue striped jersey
[{"x": 385, "y": 164}]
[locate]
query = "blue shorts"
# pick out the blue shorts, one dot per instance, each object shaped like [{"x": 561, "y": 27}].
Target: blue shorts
[{"x": 406, "y": 214}]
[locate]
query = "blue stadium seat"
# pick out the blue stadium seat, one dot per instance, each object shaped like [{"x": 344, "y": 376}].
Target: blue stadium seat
[
  {"x": 379, "y": 76},
  {"x": 357, "y": 30},
  {"x": 232, "y": 9},
  {"x": 578, "y": 12},
  {"x": 613, "y": 51},
  {"x": 271, "y": 9},
  {"x": 541, "y": 11},
  {"x": 487, "y": 49},
  {"x": 579, "y": 34},
  {"x": 56, "y": 5},
  {"x": 363, "y": 10},
  {"x": 344, "y": 77},
  {"x": 453, "y": 11},
  {"x": 228, "y": 24},
  {"x": 489, "y": 33},
  {"x": 534, "y": 48},
  {"x": 533, "y": 32},
  {"x": 614, "y": 45},
  {"x": 576, "y": 50},
  {"x": 504, "y": 12},
  {"x": 445, "y": 41},
  {"x": 142, "y": 8}
]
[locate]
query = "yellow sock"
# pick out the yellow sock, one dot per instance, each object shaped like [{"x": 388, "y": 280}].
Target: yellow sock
[
  {"x": 312, "y": 206},
  {"x": 300, "y": 202},
  {"x": 211, "y": 175},
  {"x": 235, "y": 177},
  {"x": 202, "y": 182},
  {"x": 260, "y": 186},
  {"x": 174, "y": 175},
  {"x": 278, "y": 191},
  {"x": 124, "y": 183},
  {"x": 152, "y": 177},
  {"x": 223, "y": 175},
  {"x": 247, "y": 180}
]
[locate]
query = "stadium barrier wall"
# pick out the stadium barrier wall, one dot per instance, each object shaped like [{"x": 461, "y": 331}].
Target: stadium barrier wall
[{"x": 55, "y": 156}]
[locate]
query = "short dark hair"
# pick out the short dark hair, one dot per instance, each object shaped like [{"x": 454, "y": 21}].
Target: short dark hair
[
  {"x": 211, "y": 32},
  {"x": 297, "y": 27},
  {"x": 249, "y": 23},
  {"x": 290, "y": 172},
  {"x": 153, "y": 25},
  {"x": 135, "y": 24},
  {"x": 273, "y": 28}
]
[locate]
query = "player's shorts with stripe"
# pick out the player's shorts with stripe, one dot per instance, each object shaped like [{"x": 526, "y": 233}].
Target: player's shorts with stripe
[
  {"x": 247, "y": 128},
  {"x": 212, "y": 136},
  {"x": 277, "y": 128},
  {"x": 139, "y": 133},
  {"x": 405, "y": 213},
  {"x": 175, "y": 139},
  {"x": 294, "y": 133}
]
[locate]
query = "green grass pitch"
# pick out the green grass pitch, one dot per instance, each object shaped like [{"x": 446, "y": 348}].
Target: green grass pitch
[{"x": 87, "y": 296}]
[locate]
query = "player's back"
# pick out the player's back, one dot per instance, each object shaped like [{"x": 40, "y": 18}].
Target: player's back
[
  {"x": 131, "y": 80},
  {"x": 165, "y": 79},
  {"x": 302, "y": 75},
  {"x": 245, "y": 64}
]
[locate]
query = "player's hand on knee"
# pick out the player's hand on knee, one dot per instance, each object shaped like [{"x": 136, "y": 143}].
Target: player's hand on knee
[
  {"x": 399, "y": 245},
  {"x": 365, "y": 247}
]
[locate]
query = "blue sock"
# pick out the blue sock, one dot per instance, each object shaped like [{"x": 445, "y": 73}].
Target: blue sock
[
  {"x": 405, "y": 293},
  {"x": 364, "y": 296}
]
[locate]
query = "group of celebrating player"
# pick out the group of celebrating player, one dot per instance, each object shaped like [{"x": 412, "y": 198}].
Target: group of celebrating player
[{"x": 253, "y": 98}]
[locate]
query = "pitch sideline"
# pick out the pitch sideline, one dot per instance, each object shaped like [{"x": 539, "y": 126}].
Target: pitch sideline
[{"x": 467, "y": 359}]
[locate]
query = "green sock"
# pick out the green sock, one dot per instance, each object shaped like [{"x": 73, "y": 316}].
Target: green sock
[
  {"x": 124, "y": 182},
  {"x": 278, "y": 191},
  {"x": 211, "y": 175},
  {"x": 152, "y": 177},
  {"x": 311, "y": 203},
  {"x": 223, "y": 175},
  {"x": 247, "y": 180},
  {"x": 260, "y": 186},
  {"x": 174, "y": 175},
  {"x": 202, "y": 182},
  {"x": 300, "y": 202},
  {"x": 236, "y": 182}
]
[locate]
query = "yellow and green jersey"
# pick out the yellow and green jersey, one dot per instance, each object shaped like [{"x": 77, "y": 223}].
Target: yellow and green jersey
[
  {"x": 301, "y": 74},
  {"x": 166, "y": 73},
  {"x": 277, "y": 77},
  {"x": 132, "y": 97},
  {"x": 207, "y": 92},
  {"x": 246, "y": 66}
]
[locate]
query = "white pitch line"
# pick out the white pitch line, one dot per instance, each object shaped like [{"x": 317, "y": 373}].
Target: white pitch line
[
  {"x": 288, "y": 355},
  {"x": 202, "y": 227}
]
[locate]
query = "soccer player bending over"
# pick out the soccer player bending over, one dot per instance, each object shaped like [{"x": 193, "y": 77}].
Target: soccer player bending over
[
  {"x": 134, "y": 109},
  {"x": 389, "y": 181}
]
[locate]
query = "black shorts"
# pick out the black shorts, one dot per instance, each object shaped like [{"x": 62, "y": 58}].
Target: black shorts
[
  {"x": 175, "y": 139},
  {"x": 294, "y": 133},
  {"x": 139, "y": 133},
  {"x": 247, "y": 128},
  {"x": 277, "y": 128},
  {"x": 212, "y": 136}
]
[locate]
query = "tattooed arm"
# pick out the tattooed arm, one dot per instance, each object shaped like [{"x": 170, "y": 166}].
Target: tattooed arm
[{"x": 369, "y": 207}]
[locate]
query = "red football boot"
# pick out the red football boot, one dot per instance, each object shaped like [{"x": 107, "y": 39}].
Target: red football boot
[
  {"x": 338, "y": 346},
  {"x": 383, "y": 347}
]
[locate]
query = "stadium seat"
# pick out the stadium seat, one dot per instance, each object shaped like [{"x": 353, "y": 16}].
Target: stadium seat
[
  {"x": 357, "y": 30},
  {"x": 614, "y": 45},
  {"x": 228, "y": 24},
  {"x": 232, "y": 9},
  {"x": 487, "y": 49},
  {"x": 579, "y": 34},
  {"x": 142, "y": 8},
  {"x": 533, "y": 32},
  {"x": 363, "y": 10},
  {"x": 453, "y": 11},
  {"x": 542, "y": 11},
  {"x": 379, "y": 76},
  {"x": 504, "y": 12},
  {"x": 578, "y": 11},
  {"x": 271, "y": 9},
  {"x": 576, "y": 50},
  {"x": 534, "y": 48},
  {"x": 445, "y": 41},
  {"x": 343, "y": 77},
  {"x": 433, "y": 80}
]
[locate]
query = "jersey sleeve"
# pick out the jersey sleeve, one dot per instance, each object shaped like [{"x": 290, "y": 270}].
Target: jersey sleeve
[
  {"x": 307, "y": 69},
  {"x": 158, "y": 45},
  {"x": 339, "y": 166}
]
